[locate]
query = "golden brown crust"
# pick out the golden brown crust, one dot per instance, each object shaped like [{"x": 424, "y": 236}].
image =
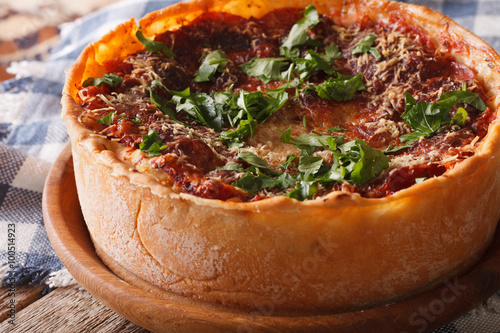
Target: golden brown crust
[{"x": 331, "y": 254}]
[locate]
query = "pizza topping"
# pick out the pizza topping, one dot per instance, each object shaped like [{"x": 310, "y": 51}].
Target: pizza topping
[
  {"x": 299, "y": 33},
  {"x": 426, "y": 118},
  {"x": 366, "y": 45},
  {"x": 213, "y": 62},
  {"x": 352, "y": 162},
  {"x": 341, "y": 88},
  {"x": 107, "y": 119},
  {"x": 266, "y": 69},
  {"x": 245, "y": 110},
  {"x": 152, "y": 144},
  {"x": 153, "y": 46},
  {"x": 111, "y": 80},
  {"x": 367, "y": 108}
]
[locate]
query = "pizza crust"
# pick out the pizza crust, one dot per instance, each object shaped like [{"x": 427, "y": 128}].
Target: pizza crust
[{"x": 332, "y": 254}]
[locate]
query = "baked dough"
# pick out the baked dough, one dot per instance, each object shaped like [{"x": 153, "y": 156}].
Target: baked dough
[{"x": 335, "y": 253}]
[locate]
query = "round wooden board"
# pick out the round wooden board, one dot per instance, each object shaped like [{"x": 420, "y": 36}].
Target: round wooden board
[{"x": 421, "y": 313}]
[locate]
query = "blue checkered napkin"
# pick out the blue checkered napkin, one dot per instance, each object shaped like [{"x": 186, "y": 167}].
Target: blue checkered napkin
[
  {"x": 21, "y": 184},
  {"x": 32, "y": 134}
]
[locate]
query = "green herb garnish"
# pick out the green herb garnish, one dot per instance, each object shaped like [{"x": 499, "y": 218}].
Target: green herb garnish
[
  {"x": 366, "y": 45},
  {"x": 107, "y": 119},
  {"x": 199, "y": 106},
  {"x": 162, "y": 106},
  {"x": 259, "y": 176},
  {"x": 213, "y": 62},
  {"x": 341, "y": 88},
  {"x": 299, "y": 33},
  {"x": 152, "y": 144},
  {"x": 460, "y": 117},
  {"x": 337, "y": 129},
  {"x": 153, "y": 46},
  {"x": 362, "y": 161},
  {"x": 353, "y": 162},
  {"x": 266, "y": 69},
  {"x": 111, "y": 80},
  {"x": 426, "y": 118},
  {"x": 314, "y": 62},
  {"x": 137, "y": 120},
  {"x": 245, "y": 110}
]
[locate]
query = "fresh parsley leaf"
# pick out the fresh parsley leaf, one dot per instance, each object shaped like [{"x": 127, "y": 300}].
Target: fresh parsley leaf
[
  {"x": 232, "y": 167},
  {"x": 366, "y": 45},
  {"x": 312, "y": 63},
  {"x": 199, "y": 106},
  {"x": 162, "y": 106},
  {"x": 305, "y": 140},
  {"x": 355, "y": 162},
  {"x": 259, "y": 176},
  {"x": 213, "y": 62},
  {"x": 303, "y": 190},
  {"x": 288, "y": 75},
  {"x": 460, "y": 117},
  {"x": 289, "y": 159},
  {"x": 111, "y": 80},
  {"x": 285, "y": 180},
  {"x": 107, "y": 119},
  {"x": 337, "y": 129},
  {"x": 341, "y": 88},
  {"x": 310, "y": 164},
  {"x": 254, "y": 182},
  {"x": 451, "y": 98},
  {"x": 391, "y": 149},
  {"x": 235, "y": 137},
  {"x": 336, "y": 174},
  {"x": 137, "y": 120},
  {"x": 249, "y": 183},
  {"x": 257, "y": 163},
  {"x": 426, "y": 118},
  {"x": 332, "y": 53},
  {"x": 152, "y": 144},
  {"x": 252, "y": 159},
  {"x": 362, "y": 161},
  {"x": 266, "y": 69},
  {"x": 298, "y": 35},
  {"x": 245, "y": 110},
  {"x": 153, "y": 46}
]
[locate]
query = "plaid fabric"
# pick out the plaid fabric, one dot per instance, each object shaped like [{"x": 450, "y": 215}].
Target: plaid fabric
[{"x": 32, "y": 135}]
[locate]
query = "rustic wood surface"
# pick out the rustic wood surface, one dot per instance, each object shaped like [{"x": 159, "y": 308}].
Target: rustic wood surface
[
  {"x": 72, "y": 243},
  {"x": 68, "y": 309},
  {"x": 24, "y": 296}
]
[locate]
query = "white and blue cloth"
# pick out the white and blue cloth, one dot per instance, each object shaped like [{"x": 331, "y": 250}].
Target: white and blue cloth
[{"x": 32, "y": 134}]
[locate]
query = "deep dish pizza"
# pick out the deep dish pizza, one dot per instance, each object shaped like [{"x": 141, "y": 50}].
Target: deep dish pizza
[{"x": 321, "y": 156}]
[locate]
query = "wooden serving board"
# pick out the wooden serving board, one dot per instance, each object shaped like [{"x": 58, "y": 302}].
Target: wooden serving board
[{"x": 69, "y": 236}]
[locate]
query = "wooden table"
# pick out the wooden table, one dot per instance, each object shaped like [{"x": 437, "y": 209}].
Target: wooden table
[{"x": 66, "y": 309}]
